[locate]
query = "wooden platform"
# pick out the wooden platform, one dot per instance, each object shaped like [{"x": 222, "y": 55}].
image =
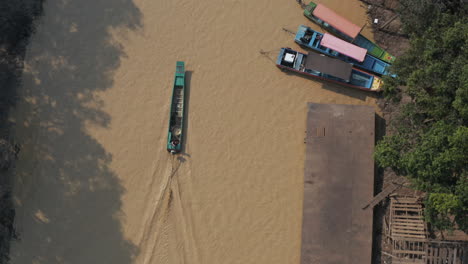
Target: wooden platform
[
  {"x": 410, "y": 243},
  {"x": 338, "y": 180}
]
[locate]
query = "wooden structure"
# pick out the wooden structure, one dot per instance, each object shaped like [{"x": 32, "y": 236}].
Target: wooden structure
[
  {"x": 407, "y": 230},
  {"x": 410, "y": 244},
  {"x": 444, "y": 252},
  {"x": 407, "y": 219},
  {"x": 384, "y": 193},
  {"x": 338, "y": 180}
]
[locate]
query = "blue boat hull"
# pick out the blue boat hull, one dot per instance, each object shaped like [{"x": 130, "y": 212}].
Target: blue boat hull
[
  {"x": 358, "y": 79},
  {"x": 310, "y": 39}
]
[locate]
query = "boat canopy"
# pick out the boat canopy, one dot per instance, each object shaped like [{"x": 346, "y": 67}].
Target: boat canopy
[
  {"x": 343, "y": 47},
  {"x": 336, "y": 21},
  {"x": 327, "y": 65}
]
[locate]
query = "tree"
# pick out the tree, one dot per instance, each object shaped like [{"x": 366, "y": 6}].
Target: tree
[{"x": 429, "y": 140}]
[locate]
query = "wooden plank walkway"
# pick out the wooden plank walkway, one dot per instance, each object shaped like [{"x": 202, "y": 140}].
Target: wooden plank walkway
[
  {"x": 338, "y": 180},
  {"x": 384, "y": 193},
  {"x": 410, "y": 244},
  {"x": 407, "y": 230},
  {"x": 407, "y": 221}
]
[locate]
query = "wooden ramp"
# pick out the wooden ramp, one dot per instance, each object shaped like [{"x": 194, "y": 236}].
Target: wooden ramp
[
  {"x": 384, "y": 193},
  {"x": 407, "y": 230},
  {"x": 338, "y": 180},
  {"x": 410, "y": 243},
  {"x": 407, "y": 219}
]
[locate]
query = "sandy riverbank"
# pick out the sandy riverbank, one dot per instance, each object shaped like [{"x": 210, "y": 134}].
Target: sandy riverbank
[{"x": 95, "y": 183}]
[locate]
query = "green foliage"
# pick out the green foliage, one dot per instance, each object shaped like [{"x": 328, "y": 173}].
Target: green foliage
[
  {"x": 388, "y": 151},
  {"x": 439, "y": 208},
  {"x": 461, "y": 95},
  {"x": 417, "y": 15},
  {"x": 391, "y": 88},
  {"x": 430, "y": 140}
]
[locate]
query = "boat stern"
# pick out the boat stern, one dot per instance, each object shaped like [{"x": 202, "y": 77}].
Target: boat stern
[
  {"x": 280, "y": 57},
  {"x": 309, "y": 9},
  {"x": 287, "y": 59},
  {"x": 388, "y": 57},
  {"x": 301, "y": 31},
  {"x": 376, "y": 84}
]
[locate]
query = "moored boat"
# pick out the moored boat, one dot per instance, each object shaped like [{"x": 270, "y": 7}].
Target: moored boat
[
  {"x": 335, "y": 47},
  {"x": 345, "y": 29},
  {"x": 176, "y": 118},
  {"x": 325, "y": 68}
]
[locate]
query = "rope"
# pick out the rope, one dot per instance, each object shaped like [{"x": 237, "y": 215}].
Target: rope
[
  {"x": 267, "y": 54},
  {"x": 303, "y": 5},
  {"x": 289, "y": 31}
]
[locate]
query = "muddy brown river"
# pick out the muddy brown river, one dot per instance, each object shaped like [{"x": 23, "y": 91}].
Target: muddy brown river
[{"x": 94, "y": 182}]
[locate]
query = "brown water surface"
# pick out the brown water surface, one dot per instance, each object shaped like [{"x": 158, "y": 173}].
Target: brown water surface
[{"x": 94, "y": 181}]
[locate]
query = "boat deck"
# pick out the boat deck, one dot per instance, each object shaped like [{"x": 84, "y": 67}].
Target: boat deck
[
  {"x": 338, "y": 181},
  {"x": 331, "y": 66}
]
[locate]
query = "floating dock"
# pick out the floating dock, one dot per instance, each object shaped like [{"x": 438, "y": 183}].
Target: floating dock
[{"x": 338, "y": 180}]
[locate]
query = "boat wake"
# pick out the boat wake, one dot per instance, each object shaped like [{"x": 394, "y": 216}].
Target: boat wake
[{"x": 169, "y": 228}]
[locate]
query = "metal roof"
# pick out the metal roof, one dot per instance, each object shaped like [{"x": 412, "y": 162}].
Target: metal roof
[
  {"x": 336, "y": 21},
  {"x": 331, "y": 66},
  {"x": 343, "y": 47}
]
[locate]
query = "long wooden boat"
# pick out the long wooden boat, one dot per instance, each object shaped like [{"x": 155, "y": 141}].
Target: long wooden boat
[
  {"x": 176, "y": 118},
  {"x": 334, "y": 47},
  {"x": 325, "y": 68},
  {"x": 345, "y": 29}
]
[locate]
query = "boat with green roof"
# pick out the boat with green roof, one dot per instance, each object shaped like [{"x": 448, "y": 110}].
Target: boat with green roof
[{"x": 176, "y": 118}]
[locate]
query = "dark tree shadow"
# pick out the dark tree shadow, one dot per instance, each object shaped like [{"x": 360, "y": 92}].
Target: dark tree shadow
[
  {"x": 16, "y": 27},
  {"x": 380, "y": 209},
  {"x": 380, "y": 131},
  {"x": 68, "y": 200}
]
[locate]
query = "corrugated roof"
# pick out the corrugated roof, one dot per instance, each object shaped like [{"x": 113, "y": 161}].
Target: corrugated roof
[
  {"x": 337, "y": 21},
  {"x": 331, "y": 66},
  {"x": 343, "y": 47}
]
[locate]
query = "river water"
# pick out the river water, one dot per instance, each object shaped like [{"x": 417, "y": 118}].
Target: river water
[{"x": 94, "y": 182}]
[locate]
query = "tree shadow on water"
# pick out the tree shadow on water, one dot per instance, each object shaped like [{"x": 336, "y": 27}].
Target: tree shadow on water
[{"x": 68, "y": 200}]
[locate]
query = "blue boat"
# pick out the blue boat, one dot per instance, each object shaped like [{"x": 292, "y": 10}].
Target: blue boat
[
  {"x": 311, "y": 39},
  {"x": 325, "y": 68}
]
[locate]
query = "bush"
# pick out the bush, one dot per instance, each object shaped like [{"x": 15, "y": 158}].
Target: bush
[{"x": 429, "y": 143}]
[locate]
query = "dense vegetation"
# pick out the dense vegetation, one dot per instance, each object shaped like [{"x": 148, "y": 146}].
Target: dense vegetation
[
  {"x": 16, "y": 27},
  {"x": 428, "y": 142}
]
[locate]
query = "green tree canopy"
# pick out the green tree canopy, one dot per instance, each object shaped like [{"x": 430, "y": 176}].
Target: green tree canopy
[{"x": 429, "y": 140}]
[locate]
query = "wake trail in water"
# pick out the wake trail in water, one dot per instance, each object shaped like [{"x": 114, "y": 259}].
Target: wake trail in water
[
  {"x": 184, "y": 226},
  {"x": 157, "y": 208},
  {"x": 169, "y": 207}
]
